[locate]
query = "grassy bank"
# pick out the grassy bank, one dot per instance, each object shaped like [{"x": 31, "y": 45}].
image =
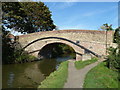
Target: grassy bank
[
  {"x": 101, "y": 77},
  {"x": 81, "y": 64},
  {"x": 57, "y": 78}
]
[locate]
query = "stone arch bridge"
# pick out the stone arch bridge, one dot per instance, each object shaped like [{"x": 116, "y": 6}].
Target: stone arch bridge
[{"x": 86, "y": 43}]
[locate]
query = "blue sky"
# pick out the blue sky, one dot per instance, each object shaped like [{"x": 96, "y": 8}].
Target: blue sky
[{"x": 83, "y": 15}]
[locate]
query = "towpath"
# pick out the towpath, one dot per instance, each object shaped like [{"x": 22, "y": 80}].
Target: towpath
[{"x": 76, "y": 77}]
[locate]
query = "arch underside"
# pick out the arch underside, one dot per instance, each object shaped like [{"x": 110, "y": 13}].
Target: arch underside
[
  {"x": 56, "y": 49},
  {"x": 34, "y": 48}
]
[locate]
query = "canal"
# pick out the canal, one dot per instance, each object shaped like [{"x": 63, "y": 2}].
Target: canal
[{"x": 29, "y": 75}]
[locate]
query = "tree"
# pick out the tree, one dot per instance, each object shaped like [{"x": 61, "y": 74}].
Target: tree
[
  {"x": 6, "y": 50},
  {"x": 106, "y": 27},
  {"x": 117, "y": 36},
  {"x": 114, "y": 53},
  {"x": 11, "y": 51},
  {"x": 117, "y": 40},
  {"x": 27, "y": 17}
]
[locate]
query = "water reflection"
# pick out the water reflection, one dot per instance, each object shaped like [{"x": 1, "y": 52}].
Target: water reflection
[
  {"x": 28, "y": 75},
  {"x": 11, "y": 79},
  {"x": 22, "y": 75},
  {"x": 47, "y": 66}
]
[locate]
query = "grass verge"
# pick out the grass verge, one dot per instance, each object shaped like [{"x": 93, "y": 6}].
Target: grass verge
[
  {"x": 57, "y": 78},
  {"x": 101, "y": 77},
  {"x": 81, "y": 64}
]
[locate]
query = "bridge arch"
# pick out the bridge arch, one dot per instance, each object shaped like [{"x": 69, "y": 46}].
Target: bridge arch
[
  {"x": 35, "y": 46},
  {"x": 48, "y": 49},
  {"x": 84, "y": 41}
]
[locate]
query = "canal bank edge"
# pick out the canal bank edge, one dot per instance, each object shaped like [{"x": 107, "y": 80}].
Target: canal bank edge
[{"x": 57, "y": 78}]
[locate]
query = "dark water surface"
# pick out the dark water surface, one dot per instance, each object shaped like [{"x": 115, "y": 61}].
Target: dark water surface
[{"x": 29, "y": 75}]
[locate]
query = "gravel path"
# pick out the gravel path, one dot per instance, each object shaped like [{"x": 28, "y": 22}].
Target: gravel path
[{"x": 76, "y": 77}]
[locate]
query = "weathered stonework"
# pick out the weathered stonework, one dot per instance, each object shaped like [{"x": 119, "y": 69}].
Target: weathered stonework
[{"x": 92, "y": 41}]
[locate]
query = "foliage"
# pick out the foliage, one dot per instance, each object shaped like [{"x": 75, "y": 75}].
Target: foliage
[
  {"x": 11, "y": 52},
  {"x": 81, "y": 64},
  {"x": 117, "y": 36},
  {"x": 27, "y": 16},
  {"x": 113, "y": 61},
  {"x": 66, "y": 48},
  {"x": 17, "y": 57},
  {"x": 6, "y": 50},
  {"x": 61, "y": 49},
  {"x": 101, "y": 77},
  {"x": 106, "y": 27},
  {"x": 56, "y": 79},
  {"x": 22, "y": 58},
  {"x": 23, "y": 17}
]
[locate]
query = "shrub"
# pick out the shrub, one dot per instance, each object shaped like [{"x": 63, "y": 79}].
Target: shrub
[{"x": 113, "y": 59}]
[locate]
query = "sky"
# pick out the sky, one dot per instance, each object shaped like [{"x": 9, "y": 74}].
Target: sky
[{"x": 83, "y": 15}]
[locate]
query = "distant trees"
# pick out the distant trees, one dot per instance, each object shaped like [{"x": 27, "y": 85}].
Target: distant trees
[
  {"x": 55, "y": 50},
  {"x": 27, "y": 17}
]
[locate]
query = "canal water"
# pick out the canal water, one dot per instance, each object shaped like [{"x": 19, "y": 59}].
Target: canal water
[{"x": 29, "y": 75}]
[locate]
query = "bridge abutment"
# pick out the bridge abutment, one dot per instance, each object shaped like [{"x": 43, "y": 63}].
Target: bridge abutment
[{"x": 78, "y": 57}]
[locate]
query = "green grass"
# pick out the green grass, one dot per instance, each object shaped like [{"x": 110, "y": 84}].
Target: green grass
[
  {"x": 82, "y": 64},
  {"x": 57, "y": 78},
  {"x": 101, "y": 77}
]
